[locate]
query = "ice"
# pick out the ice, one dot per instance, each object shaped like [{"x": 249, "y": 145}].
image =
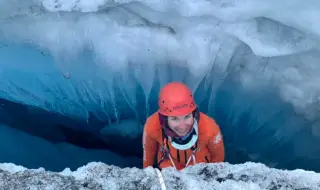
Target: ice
[
  {"x": 252, "y": 64},
  {"x": 112, "y": 36},
  {"x": 125, "y": 128},
  {"x": 33, "y": 152},
  {"x": 96, "y": 175},
  {"x": 124, "y": 135}
]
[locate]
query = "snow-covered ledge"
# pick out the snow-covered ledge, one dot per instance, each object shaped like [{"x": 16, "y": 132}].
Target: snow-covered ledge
[{"x": 96, "y": 176}]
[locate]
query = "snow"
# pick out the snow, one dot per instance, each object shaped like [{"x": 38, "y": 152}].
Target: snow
[
  {"x": 252, "y": 64},
  {"x": 96, "y": 175}
]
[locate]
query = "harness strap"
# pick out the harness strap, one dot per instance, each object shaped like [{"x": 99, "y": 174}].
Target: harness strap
[
  {"x": 165, "y": 151},
  {"x": 193, "y": 157}
]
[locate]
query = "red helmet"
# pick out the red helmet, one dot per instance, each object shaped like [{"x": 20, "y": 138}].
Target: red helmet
[{"x": 176, "y": 99}]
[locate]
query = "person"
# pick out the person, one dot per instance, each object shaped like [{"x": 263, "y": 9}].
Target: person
[{"x": 179, "y": 135}]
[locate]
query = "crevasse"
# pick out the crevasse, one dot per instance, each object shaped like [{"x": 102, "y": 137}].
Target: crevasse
[{"x": 252, "y": 65}]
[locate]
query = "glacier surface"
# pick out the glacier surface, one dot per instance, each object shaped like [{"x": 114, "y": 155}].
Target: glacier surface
[
  {"x": 99, "y": 176},
  {"x": 252, "y": 64}
]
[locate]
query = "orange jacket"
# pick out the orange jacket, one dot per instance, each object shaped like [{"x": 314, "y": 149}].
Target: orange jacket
[{"x": 210, "y": 144}]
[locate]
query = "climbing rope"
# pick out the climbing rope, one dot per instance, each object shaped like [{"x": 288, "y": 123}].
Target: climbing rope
[{"x": 161, "y": 180}]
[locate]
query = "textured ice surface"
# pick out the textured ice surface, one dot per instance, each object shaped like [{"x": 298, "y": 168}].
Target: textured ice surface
[{"x": 248, "y": 176}]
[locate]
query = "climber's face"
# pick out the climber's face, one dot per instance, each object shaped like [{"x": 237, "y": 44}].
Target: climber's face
[{"x": 181, "y": 124}]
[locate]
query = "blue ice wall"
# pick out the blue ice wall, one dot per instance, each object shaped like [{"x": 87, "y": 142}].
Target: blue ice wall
[{"x": 257, "y": 125}]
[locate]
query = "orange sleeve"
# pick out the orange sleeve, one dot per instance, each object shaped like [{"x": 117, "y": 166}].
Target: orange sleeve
[
  {"x": 216, "y": 145},
  {"x": 150, "y": 146}
]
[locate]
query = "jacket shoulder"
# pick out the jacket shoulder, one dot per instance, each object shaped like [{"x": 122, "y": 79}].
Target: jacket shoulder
[
  {"x": 152, "y": 126},
  {"x": 207, "y": 126}
]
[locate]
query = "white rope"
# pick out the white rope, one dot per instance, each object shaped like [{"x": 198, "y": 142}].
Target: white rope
[
  {"x": 193, "y": 158},
  {"x": 172, "y": 162},
  {"x": 161, "y": 180}
]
